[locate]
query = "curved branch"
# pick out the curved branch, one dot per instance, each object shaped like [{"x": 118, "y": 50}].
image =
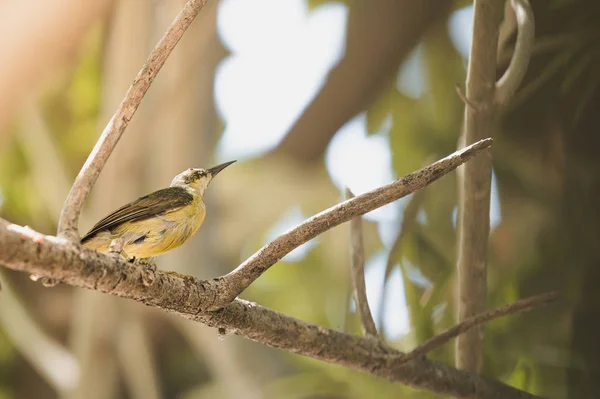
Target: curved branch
[
  {"x": 357, "y": 271},
  {"x": 25, "y": 250},
  {"x": 85, "y": 180},
  {"x": 236, "y": 281},
  {"x": 508, "y": 84}
]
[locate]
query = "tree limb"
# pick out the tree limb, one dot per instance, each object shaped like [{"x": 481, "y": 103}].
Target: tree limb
[
  {"x": 522, "y": 305},
  {"x": 475, "y": 182},
  {"x": 508, "y": 84},
  {"x": 357, "y": 271},
  {"x": 85, "y": 180},
  {"x": 25, "y": 250},
  {"x": 236, "y": 281},
  {"x": 379, "y": 36}
]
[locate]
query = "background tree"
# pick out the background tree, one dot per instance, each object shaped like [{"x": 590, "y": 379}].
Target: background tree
[{"x": 543, "y": 233}]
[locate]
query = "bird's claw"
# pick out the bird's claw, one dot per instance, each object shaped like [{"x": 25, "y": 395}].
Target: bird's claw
[{"x": 144, "y": 262}]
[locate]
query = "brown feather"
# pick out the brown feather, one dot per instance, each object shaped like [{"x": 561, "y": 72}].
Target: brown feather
[{"x": 156, "y": 203}]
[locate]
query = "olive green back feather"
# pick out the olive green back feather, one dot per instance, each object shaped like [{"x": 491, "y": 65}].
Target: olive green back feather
[{"x": 156, "y": 203}]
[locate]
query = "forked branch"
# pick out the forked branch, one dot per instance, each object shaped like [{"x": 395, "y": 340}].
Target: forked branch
[
  {"x": 235, "y": 282},
  {"x": 85, "y": 180},
  {"x": 25, "y": 250},
  {"x": 522, "y": 305}
]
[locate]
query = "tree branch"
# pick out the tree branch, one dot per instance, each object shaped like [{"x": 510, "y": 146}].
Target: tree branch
[
  {"x": 235, "y": 282},
  {"x": 475, "y": 182},
  {"x": 522, "y": 305},
  {"x": 357, "y": 271},
  {"x": 508, "y": 84},
  {"x": 26, "y": 250},
  {"x": 85, "y": 180}
]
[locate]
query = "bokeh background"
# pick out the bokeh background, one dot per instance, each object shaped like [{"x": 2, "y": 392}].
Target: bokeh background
[{"x": 310, "y": 96}]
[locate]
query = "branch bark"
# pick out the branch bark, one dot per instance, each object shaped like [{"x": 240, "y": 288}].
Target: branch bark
[
  {"x": 482, "y": 98},
  {"x": 26, "y": 250},
  {"x": 522, "y": 305},
  {"x": 357, "y": 271},
  {"x": 475, "y": 182},
  {"x": 235, "y": 282},
  {"x": 67, "y": 224}
]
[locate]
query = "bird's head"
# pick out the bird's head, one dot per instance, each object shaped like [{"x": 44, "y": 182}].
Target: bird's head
[{"x": 198, "y": 178}]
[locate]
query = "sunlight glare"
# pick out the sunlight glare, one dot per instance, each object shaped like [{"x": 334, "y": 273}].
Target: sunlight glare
[
  {"x": 287, "y": 221},
  {"x": 460, "y": 27},
  {"x": 281, "y": 54},
  {"x": 395, "y": 319},
  {"x": 361, "y": 163}
]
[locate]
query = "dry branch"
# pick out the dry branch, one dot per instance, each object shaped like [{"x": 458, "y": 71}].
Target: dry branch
[
  {"x": 235, "y": 282},
  {"x": 67, "y": 224},
  {"x": 357, "y": 271},
  {"x": 25, "y": 250},
  {"x": 213, "y": 302},
  {"x": 475, "y": 182},
  {"x": 479, "y": 320},
  {"x": 482, "y": 97}
]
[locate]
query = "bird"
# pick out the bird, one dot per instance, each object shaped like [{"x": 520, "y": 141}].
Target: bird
[{"x": 158, "y": 222}]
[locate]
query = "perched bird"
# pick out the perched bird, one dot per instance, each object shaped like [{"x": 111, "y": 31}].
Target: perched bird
[{"x": 157, "y": 222}]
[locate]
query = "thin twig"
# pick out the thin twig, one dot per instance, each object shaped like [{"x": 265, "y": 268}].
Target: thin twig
[
  {"x": 357, "y": 271},
  {"x": 28, "y": 251},
  {"x": 67, "y": 224},
  {"x": 235, "y": 282},
  {"x": 521, "y": 305},
  {"x": 474, "y": 183},
  {"x": 508, "y": 84},
  {"x": 464, "y": 98}
]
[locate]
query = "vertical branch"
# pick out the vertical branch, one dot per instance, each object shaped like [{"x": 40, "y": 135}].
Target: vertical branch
[
  {"x": 475, "y": 182},
  {"x": 357, "y": 266},
  {"x": 67, "y": 224}
]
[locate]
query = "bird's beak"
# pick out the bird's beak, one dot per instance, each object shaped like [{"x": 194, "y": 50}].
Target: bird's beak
[{"x": 215, "y": 170}]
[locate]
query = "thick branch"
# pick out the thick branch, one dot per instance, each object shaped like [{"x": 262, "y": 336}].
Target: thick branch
[
  {"x": 67, "y": 224},
  {"x": 26, "y": 250},
  {"x": 522, "y": 305},
  {"x": 512, "y": 78},
  {"x": 234, "y": 283},
  {"x": 475, "y": 182},
  {"x": 357, "y": 271},
  {"x": 379, "y": 36}
]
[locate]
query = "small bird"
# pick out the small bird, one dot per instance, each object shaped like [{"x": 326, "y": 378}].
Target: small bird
[{"x": 157, "y": 222}]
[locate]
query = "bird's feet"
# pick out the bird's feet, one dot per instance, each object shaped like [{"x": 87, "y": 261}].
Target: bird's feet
[
  {"x": 146, "y": 262},
  {"x": 115, "y": 250}
]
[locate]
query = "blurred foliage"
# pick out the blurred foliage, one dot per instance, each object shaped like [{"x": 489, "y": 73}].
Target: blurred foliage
[{"x": 527, "y": 351}]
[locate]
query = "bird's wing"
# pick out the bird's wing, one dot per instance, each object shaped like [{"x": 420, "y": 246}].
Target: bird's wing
[{"x": 156, "y": 203}]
